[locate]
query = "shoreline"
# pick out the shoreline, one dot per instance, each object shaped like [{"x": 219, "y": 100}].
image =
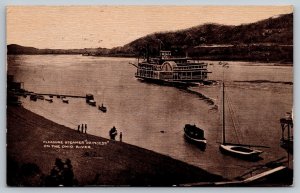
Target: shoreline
[
  {"x": 268, "y": 63},
  {"x": 98, "y": 162}
]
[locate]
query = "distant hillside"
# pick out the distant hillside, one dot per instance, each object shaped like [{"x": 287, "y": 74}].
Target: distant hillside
[
  {"x": 267, "y": 40},
  {"x": 17, "y": 49},
  {"x": 277, "y": 30},
  {"x": 270, "y": 40}
]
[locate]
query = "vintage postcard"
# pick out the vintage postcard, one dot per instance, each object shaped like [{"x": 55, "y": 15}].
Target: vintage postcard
[{"x": 149, "y": 96}]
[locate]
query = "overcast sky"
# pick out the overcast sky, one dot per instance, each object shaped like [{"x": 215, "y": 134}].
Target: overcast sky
[{"x": 109, "y": 26}]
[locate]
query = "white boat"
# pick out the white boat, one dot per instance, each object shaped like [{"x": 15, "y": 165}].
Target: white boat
[
  {"x": 237, "y": 150},
  {"x": 240, "y": 151},
  {"x": 92, "y": 102}
]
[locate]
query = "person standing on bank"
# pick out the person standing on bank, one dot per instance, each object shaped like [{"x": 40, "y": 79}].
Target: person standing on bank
[
  {"x": 85, "y": 127},
  {"x": 121, "y": 136},
  {"x": 113, "y": 133},
  {"x": 78, "y": 129},
  {"x": 82, "y": 128}
]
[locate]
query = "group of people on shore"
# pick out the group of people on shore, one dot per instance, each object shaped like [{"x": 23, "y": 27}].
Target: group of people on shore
[
  {"x": 82, "y": 128},
  {"x": 113, "y": 132}
]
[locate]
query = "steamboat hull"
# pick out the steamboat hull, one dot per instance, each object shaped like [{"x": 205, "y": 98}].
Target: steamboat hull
[{"x": 166, "y": 82}]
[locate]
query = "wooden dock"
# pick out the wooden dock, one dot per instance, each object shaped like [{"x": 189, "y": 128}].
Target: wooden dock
[{"x": 60, "y": 95}]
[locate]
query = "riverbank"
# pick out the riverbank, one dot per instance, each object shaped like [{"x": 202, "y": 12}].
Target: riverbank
[{"x": 34, "y": 144}]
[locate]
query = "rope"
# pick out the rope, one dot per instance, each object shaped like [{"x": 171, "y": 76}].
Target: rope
[
  {"x": 231, "y": 117},
  {"x": 236, "y": 121},
  {"x": 239, "y": 124}
]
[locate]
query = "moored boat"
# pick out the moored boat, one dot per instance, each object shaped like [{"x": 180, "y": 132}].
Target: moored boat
[
  {"x": 194, "y": 135},
  {"x": 102, "y": 108},
  {"x": 239, "y": 151},
  {"x": 50, "y": 100},
  {"x": 88, "y": 98},
  {"x": 64, "y": 100},
  {"x": 33, "y": 97},
  {"x": 92, "y": 102},
  {"x": 287, "y": 126}
]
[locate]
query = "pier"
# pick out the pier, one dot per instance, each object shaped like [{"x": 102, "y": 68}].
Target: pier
[
  {"x": 60, "y": 95},
  {"x": 15, "y": 88}
]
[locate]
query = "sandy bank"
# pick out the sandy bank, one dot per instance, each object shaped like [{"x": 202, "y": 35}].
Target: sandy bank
[{"x": 33, "y": 144}]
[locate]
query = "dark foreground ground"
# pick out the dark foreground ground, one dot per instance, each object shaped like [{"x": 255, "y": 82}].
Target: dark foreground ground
[{"x": 31, "y": 161}]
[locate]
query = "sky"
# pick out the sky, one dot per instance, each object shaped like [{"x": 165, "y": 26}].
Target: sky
[{"x": 70, "y": 27}]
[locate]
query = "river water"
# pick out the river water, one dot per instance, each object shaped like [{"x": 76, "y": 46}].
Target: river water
[{"x": 153, "y": 116}]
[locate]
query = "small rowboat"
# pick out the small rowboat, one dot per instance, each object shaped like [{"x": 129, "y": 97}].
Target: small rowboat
[
  {"x": 33, "y": 97},
  {"x": 49, "y": 100},
  {"x": 92, "y": 102},
  {"x": 41, "y": 97},
  {"x": 102, "y": 108},
  {"x": 195, "y": 135},
  {"x": 64, "y": 100}
]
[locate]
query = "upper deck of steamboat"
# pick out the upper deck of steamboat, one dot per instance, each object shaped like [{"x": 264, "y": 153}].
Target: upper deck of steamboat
[{"x": 176, "y": 64}]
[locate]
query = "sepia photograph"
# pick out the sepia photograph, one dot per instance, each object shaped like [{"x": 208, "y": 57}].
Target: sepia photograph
[{"x": 149, "y": 96}]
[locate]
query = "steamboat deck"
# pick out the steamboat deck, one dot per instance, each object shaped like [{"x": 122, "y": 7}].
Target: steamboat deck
[{"x": 168, "y": 69}]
